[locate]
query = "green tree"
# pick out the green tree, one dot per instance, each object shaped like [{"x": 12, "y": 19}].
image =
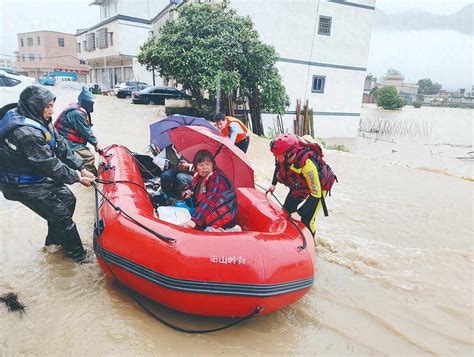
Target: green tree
[
  {"x": 392, "y": 72},
  {"x": 426, "y": 86},
  {"x": 388, "y": 98},
  {"x": 209, "y": 44}
]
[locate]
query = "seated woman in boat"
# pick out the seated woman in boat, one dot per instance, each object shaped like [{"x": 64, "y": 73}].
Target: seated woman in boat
[{"x": 213, "y": 195}]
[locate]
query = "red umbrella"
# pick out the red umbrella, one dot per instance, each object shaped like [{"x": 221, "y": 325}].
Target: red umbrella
[{"x": 188, "y": 140}]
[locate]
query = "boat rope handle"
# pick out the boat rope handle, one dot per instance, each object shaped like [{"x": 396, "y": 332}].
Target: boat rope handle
[
  {"x": 140, "y": 164},
  {"x": 118, "y": 209},
  {"x": 135, "y": 295},
  {"x": 291, "y": 219}
]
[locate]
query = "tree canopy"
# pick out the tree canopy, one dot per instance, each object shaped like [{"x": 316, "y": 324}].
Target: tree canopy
[
  {"x": 426, "y": 86},
  {"x": 388, "y": 98},
  {"x": 209, "y": 44},
  {"x": 392, "y": 72}
]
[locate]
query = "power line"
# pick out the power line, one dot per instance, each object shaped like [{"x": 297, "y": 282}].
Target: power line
[{"x": 1, "y": 54}]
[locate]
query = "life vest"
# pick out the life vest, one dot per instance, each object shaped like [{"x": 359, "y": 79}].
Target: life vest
[
  {"x": 227, "y": 132},
  {"x": 226, "y": 206},
  {"x": 297, "y": 182},
  {"x": 9, "y": 153},
  {"x": 67, "y": 132}
]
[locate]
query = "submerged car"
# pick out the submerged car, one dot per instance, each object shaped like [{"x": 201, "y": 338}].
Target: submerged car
[
  {"x": 128, "y": 90},
  {"x": 157, "y": 95}
]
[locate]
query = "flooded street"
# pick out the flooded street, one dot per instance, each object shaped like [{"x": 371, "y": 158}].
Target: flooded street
[{"x": 394, "y": 264}]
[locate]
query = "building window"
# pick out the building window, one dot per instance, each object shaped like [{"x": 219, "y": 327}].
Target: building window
[
  {"x": 60, "y": 42},
  {"x": 39, "y": 57},
  {"x": 90, "y": 42},
  {"x": 78, "y": 48},
  {"x": 102, "y": 38},
  {"x": 38, "y": 42},
  {"x": 22, "y": 44},
  {"x": 29, "y": 41},
  {"x": 111, "y": 38},
  {"x": 31, "y": 57},
  {"x": 23, "y": 58},
  {"x": 318, "y": 84},
  {"x": 324, "y": 27}
]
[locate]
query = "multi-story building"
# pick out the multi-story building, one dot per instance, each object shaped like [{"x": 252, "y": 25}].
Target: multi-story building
[
  {"x": 47, "y": 51},
  {"x": 110, "y": 47},
  {"x": 323, "y": 48}
]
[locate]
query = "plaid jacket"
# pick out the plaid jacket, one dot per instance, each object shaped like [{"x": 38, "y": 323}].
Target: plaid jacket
[{"x": 216, "y": 200}]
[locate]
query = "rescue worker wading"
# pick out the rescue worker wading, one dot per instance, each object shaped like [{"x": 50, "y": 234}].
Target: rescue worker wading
[
  {"x": 75, "y": 124},
  {"x": 296, "y": 168},
  {"x": 36, "y": 162},
  {"x": 234, "y": 129}
]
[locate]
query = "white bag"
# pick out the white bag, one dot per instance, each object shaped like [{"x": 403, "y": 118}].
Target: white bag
[{"x": 175, "y": 215}]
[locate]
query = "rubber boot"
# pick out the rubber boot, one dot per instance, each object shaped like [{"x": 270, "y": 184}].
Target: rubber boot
[
  {"x": 54, "y": 235},
  {"x": 72, "y": 244}
]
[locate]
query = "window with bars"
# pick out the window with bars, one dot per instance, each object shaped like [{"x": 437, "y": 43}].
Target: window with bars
[
  {"x": 102, "y": 38},
  {"x": 324, "y": 27},
  {"x": 90, "y": 41},
  {"x": 60, "y": 42},
  {"x": 319, "y": 83},
  {"x": 29, "y": 41}
]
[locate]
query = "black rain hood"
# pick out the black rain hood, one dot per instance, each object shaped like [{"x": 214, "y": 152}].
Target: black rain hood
[{"x": 33, "y": 100}]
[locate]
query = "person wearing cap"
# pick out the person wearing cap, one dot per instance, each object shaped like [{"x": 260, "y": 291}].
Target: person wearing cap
[
  {"x": 36, "y": 163},
  {"x": 75, "y": 125},
  {"x": 234, "y": 129}
]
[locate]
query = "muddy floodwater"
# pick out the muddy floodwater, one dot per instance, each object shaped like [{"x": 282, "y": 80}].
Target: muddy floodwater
[{"x": 394, "y": 271}]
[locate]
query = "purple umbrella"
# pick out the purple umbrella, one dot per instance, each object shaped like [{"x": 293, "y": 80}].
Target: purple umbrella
[{"x": 159, "y": 131}]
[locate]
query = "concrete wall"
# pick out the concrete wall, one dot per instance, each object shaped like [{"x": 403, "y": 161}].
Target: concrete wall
[
  {"x": 47, "y": 54},
  {"x": 145, "y": 9},
  {"x": 291, "y": 27},
  {"x": 117, "y": 62}
]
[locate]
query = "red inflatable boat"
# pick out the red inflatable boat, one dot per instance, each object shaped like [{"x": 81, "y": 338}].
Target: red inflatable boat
[{"x": 270, "y": 264}]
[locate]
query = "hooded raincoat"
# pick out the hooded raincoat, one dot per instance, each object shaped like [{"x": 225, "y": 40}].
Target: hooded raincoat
[{"x": 35, "y": 163}]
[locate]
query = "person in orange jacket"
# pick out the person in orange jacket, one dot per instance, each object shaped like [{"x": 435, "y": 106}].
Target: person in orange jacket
[{"x": 234, "y": 129}]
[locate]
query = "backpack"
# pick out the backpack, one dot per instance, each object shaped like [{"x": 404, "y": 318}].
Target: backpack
[{"x": 327, "y": 177}]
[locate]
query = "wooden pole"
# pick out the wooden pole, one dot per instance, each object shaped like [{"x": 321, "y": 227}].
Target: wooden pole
[
  {"x": 305, "y": 118},
  {"x": 297, "y": 121}
]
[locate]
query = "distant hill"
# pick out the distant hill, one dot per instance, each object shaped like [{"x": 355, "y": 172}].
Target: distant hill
[{"x": 461, "y": 21}]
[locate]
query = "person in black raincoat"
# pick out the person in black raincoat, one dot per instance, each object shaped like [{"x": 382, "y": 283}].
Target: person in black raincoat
[
  {"x": 35, "y": 165},
  {"x": 75, "y": 124}
]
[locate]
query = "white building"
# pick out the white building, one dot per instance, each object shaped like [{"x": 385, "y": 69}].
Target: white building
[
  {"x": 323, "y": 48},
  {"x": 111, "y": 46}
]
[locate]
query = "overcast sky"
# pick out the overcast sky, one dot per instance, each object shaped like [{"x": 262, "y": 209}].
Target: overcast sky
[{"x": 443, "y": 56}]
